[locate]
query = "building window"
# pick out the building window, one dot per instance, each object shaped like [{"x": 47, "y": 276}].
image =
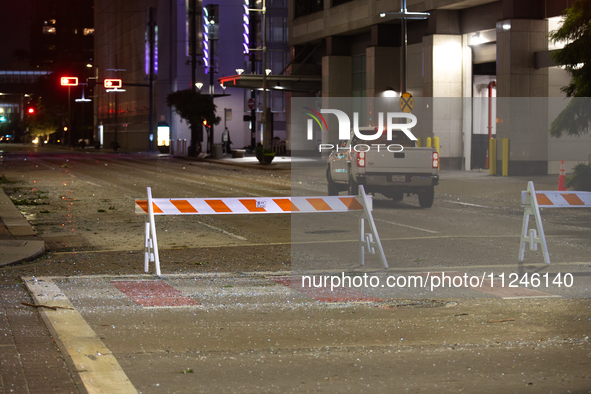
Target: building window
[
  {"x": 50, "y": 30},
  {"x": 277, "y": 29},
  {"x": 359, "y": 88},
  {"x": 88, "y": 31},
  {"x": 359, "y": 76},
  {"x": 307, "y": 7}
]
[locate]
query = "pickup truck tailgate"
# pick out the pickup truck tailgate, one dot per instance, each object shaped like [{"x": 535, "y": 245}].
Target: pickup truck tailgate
[{"x": 410, "y": 160}]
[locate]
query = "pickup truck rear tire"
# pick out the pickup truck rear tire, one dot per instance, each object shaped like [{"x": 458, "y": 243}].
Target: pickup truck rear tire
[
  {"x": 333, "y": 187},
  {"x": 426, "y": 198}
]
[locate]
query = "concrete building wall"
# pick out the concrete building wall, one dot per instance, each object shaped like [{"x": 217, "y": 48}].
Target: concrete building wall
[
  {"x": 120, "y": 44},
  {"x": 441, "y": 61}
]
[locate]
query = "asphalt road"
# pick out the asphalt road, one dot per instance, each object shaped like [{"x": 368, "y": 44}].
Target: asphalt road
[{"x": 251, "y": 333}]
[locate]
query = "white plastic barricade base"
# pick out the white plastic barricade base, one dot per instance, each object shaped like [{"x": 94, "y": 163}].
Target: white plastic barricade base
[
  {"x": 257, "y": 205},
  {"x": 532, "y": 201}
]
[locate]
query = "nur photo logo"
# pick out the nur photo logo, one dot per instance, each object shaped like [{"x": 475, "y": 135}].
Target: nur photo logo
[{"x": 344, "y": 122}]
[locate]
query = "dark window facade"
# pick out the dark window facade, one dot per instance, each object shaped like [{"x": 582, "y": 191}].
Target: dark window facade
[{"x": 307, "y": 7}]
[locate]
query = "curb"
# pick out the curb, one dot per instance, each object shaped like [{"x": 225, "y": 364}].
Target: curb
[
  {"x": 270, "y": 167},
  {"x": 26, "y": 245}
]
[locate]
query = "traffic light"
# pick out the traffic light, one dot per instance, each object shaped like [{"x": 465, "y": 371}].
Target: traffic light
[
  {"x": 30, "y": 109},
  {"x": 247, "y": 118},
  {"x": 69, "y": 81},
  {"x": 113, "y": 83}
]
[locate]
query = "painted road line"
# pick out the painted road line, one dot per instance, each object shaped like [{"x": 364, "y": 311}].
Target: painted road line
[
  {"x": 496, "y": 289},
  {"x": 153, "y": 294},
  {"x": 95, "y": 363},
  {"x": 470, "y": 205},
  {"x": 222, "y": 231},
  {"x": 323, "y": 293},
  {"x": 407, "y": 226}
]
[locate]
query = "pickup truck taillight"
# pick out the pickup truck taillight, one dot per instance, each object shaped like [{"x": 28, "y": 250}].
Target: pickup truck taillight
[
  {"x": 360, "y": 159},
  {"x": 435, "y": 160}
]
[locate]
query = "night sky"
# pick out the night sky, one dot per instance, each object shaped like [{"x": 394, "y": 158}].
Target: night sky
[{"x": 15, "y": 25}]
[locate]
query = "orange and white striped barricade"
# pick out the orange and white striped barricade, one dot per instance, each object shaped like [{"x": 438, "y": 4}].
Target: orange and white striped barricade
[
  {"x": 532, "y": 201},
  {"x": 153, "y": 207}
]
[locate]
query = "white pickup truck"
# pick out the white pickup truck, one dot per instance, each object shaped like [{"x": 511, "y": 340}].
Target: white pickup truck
[{"x": 390, "y": 167}]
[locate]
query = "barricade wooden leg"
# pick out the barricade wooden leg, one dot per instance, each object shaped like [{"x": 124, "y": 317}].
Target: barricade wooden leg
[
  {"x": 147, "y": 246},
  {"x": 153, "y": 232},
  {"x": 374, "y": 240},
  {"x": 523, "y": 240},
  {"x": 530, "y": 207},
  {"x": 361, "y": 247}
]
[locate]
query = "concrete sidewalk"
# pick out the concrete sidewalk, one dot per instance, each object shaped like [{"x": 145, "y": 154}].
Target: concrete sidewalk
[
  {"x": 30, "y": 361},
  {"x": 18, "y": 241}
]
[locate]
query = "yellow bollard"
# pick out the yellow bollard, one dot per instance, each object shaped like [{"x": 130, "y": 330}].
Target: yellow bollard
[
  {"x": 428, "y": 142},
  {"x": 436, "y": 145},
  {"x": 505, "y": 157},
  {"x": 419, "y": 142},
  {"x": 492, "y": 156}
]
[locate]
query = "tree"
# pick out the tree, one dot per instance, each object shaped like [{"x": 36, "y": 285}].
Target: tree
[
  {"x": 576, "y": 58},
  {"x": 43, "y": 123},
  {"x": 194, "y": 108}
]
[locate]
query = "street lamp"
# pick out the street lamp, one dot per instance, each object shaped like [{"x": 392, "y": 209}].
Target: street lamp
[
  {"x": 404, "y": 15},
  {"x": 389, "y": 92},
  {"x": 199, "y": 85},
  {"x": 83, "y": 99}
]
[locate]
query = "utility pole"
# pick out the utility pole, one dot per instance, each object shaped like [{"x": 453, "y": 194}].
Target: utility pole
[
  {"x": 195, "y": 27},
  {"x": 252, "y": 45},
  {"x": 404, "y": 15},
  {"x": 212, "y": 40},
  {"x": 193, "y": 41},
  {"x": 115, "y": 142},
  {"x": 266, "y": 141},
  {"x": 151, "y": 38}
]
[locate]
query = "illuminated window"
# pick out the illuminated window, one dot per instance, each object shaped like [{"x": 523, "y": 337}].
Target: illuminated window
[
  {"x": 88, "y": 31},
  {"x": 49, "y": 30}
]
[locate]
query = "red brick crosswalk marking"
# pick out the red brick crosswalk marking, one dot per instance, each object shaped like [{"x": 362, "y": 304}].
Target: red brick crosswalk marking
[{"x": 153, "y": 293}]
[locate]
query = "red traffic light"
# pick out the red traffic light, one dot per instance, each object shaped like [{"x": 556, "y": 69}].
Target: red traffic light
[
  {"x": 69, "y": 81},
  {"x": 113, "y": 83},
  {"x": 31, "y": 110}
]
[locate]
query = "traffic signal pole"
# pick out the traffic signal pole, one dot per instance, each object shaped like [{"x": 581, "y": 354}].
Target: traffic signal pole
[{"x": 69, "y": 118}]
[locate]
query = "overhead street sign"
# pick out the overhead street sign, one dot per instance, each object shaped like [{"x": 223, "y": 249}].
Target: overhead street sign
[
  {"x": 407, "y": 102},
  {"x": 113, "y": 83},
  {"x": 69, "y": 81}
]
